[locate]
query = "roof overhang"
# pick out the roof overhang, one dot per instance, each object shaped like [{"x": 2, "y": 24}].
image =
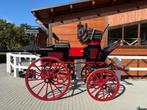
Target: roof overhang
[{"x": 85, "y": 10}]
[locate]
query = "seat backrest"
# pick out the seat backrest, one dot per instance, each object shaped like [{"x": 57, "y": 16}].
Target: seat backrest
[
  {"x": 86, "y": 34},
  {"x": 82, "y": 31},
  {"x": 112, "y": 46}
]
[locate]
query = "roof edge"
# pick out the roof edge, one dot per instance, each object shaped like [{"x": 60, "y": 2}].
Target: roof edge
[{"x": 63, "y": 4}]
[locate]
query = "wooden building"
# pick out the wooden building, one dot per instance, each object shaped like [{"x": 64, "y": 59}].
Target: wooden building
[
  {"x": 131, "y": 28},
  {"x": 127, "y": 19}
]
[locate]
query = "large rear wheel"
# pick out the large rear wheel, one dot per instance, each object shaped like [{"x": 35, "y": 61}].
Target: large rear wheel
[{"x": 47, "y": 78}]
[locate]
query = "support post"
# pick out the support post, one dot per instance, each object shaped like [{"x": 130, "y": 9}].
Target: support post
[
  {"x": 118, "y": 63},
  {"x": 139, "y": 34},
  {"x": 50, "y": 35},
  {"x": 123, "y": 34},
  {"x": 106, "y": 32},
  {"x": 15, "y": 66},
  {"x": 19, "y": 61},
  {"x": 78, "y": 69},
  {"x": 8, "y": 60}
]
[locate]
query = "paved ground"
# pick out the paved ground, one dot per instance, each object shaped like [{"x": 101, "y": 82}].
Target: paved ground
[{"x": 14, "y": 96}]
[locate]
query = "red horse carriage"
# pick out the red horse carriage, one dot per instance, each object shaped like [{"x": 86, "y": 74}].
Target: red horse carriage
[{"x": 49, "y": 78}]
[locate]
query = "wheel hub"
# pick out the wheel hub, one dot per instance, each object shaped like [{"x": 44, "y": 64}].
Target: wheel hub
[
  {"x": 47, "y": 80},
  {"x": 104, "y": 86}
]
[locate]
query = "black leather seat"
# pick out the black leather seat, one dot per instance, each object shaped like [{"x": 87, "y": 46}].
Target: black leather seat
[{"x": 86, "y": 34}]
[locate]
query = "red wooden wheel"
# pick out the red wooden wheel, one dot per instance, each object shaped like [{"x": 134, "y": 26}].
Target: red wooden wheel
[
  {"x": 86, "y": 70},
  {"x": 102, "y": 85},
  {"x": 47, "y": 78}
]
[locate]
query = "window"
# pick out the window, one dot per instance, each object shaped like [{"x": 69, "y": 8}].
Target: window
[
  {"x": 114, "y": 35},
  {"x": 130, "y": 35},
  {"x": 143, "y": 35}
]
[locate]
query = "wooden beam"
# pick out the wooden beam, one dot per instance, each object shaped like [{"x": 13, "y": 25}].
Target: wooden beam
[
  {"x": 50, "y": 35},
  {"x": 139, "y": 27},
  {"x": 123, "y": 34},
  {"x": 71, "y": 8},
  {"x": 52, "y": 11},
  {"x": 93, "y": 3}
]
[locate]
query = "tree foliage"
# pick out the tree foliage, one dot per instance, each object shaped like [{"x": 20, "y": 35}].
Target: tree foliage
[{"x": 13, "y": 36}]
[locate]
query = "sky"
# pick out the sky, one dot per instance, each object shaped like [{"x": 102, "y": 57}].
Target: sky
[{"x": 19, "y": 11}]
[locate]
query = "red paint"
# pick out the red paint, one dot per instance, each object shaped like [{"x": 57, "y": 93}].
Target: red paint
[
  {"x": 93, "y": 53},
  {"x": 76, "y": 52},
  {"x": 56, "y": 54},
  {"x": 95, "y": 42}
]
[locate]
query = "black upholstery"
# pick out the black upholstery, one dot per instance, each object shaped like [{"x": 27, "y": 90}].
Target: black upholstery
[
  {"x": 112, "y": 46},
  {"x": 86, "y": 34},
  {"x": 60, "y": 43}
]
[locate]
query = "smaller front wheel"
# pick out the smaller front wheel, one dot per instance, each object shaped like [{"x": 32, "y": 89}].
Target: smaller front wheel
[
  {"x": 102, "y": 85},
  {"x": 86, "y": 70}
]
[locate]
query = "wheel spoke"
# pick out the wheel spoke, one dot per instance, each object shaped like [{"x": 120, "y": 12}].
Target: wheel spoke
[
  {"x": 52, "y": 90},
  {"x": 50, "y": 65},
  {"x": 37, "y": 67},
  {"x": 57, "y": 88},
  {"x": 41, "y": 89},
  {"x": 64, "y": 84},
  {"x": 38, "y": 77},
  {"x": 42, "y": 67},
  {"x": 95, "y": 89},
  {"x": 37, "y": 85},
  {"x": 109, "y": 79},
  {"x": 46, "y": 92},
  {"x": 111, "y": 85},
  {"x": 35, "y": 73},
  {"x": 55, "y": 65},
  {"x": 87, "y": 69},
  {"x": 103, "y": 93},
  {"x": 97, "y": 77},
  {"x": 108, "y": 93},
  {"x": 97, "y": 94}
]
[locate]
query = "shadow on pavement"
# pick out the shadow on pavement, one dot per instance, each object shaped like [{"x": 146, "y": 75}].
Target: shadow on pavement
[
  {"x": 128, "y": 83},
  {"x": 122, "y": 89},
  {"x": 140, "y": 108},
  {"x": 75, "y": 88}
]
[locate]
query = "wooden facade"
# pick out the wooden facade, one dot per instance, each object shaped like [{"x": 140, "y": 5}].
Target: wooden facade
[
  {"x": 69, "y": 31},
  {"x": 127, "y": 17}
]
